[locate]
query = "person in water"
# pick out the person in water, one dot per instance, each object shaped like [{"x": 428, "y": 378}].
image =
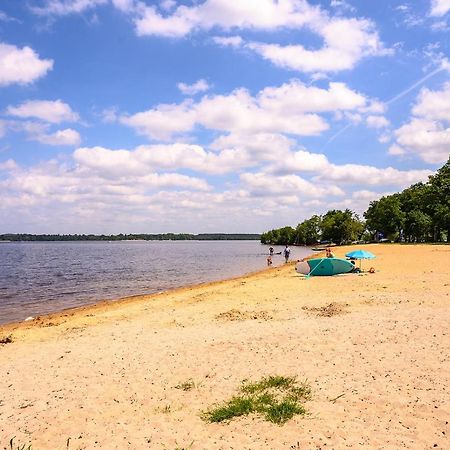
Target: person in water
[
  {"x": 269, "y": 260},
  {"x": 271, "y": 251},
  {"x": 287, "y": 253}
]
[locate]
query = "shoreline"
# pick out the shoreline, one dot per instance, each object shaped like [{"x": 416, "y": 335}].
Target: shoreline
[
  {"x": 102, "y": 302},
  {"x": 374, "y": 347},
  {"x": 102, "y": 305}
]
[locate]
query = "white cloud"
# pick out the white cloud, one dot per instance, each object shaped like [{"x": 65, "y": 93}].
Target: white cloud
[
  {"x": 163, "y": 121},
  {"x": 261, "y": 184},
  {"x": 21, "y": 65},
  {"x": 372, "y": 176},
  {"x": 299, "y": 161},
  {"x": 229, "y": 41},
  {"x": 434, "y": 105},
  {"x": 147, "y": 158},
  {"x": 396, "y": 150},
  {"x": 49, "y": 111},
  {"x": 127, "y": 6},
  {"x": 66, "y": 7},
  {"x": 427, "y": 134},
  {"x": 40, "y": 132},
  {"x": 439, "y": 7},
  {"x": 256, "y": 14},
  {"x": 256, "y": 144},
  {"x": 384, "y": 138},
  {"x": 346, "y": 42},
  {"x": 368, "y": 196},
  {"x": 342, "y": 5},
  {"x": 192, "y": 89},
  {"x": 295, "y": 97},
  {"x": 377, "y": 122},
  {"x": 64, "y": 137},
  {"x": 289, "y": 108},
  {"x": 427, "y": 139}
]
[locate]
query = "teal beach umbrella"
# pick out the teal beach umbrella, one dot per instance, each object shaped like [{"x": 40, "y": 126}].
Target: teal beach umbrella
[{"x": 360, "y": 254}]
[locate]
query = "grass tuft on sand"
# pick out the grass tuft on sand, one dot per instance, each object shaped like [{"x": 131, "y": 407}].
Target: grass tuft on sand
[{"x": 276, "y": 398}]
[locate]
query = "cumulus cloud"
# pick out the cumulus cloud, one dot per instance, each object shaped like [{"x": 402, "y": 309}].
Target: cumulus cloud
[
  {"x": 253, "y": 14},
  {"x": 147, "y": 158},
  {"x": 64, "y": 137},
  {"x": 163, "y": 121},
  {"x": 439, "y": 7},
  {"x": 260, "y": 184},
  {"x": 289, "y": 108},
  {"x": 372, "y": 176},
  {"x": 346, "y": 42},
  {"x": 40, "y": 132},
  {"x": 427, "y": 134},
  {"x": 377, "y": 122},
  {"x": 49, "y": 111},
  {"x": 21, "y": 65},
  {"x": 299, "y": 161},
  {"x": 434, "y": 105},
  {"x": 192, "y": 89}
]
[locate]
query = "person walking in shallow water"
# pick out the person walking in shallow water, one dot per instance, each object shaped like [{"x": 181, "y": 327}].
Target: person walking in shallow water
[{"x": 287, "y": 253}]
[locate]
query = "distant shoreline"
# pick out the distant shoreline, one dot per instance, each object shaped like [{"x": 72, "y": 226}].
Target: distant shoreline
[{"x": 25, "y": 237}]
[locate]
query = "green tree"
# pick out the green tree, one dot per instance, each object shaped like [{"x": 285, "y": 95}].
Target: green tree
[
  {"x": 309, "y": 231},
  {"x": 341, "y": 226},
  {"x": 439, "y": 201},
  {"x": 385, "y": 216}
]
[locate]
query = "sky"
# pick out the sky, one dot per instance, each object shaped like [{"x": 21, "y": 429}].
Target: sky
[{"x": 139, "y": 116}]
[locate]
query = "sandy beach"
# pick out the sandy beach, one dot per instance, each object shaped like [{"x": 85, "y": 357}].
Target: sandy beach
[{"x": 377, "y": 360}]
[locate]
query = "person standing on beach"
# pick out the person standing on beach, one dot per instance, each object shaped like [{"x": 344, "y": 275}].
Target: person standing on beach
[{"x": 287, "y": 253}]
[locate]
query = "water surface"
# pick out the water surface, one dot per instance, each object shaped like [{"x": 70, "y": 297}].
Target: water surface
[{"x": 42, "y": 277}]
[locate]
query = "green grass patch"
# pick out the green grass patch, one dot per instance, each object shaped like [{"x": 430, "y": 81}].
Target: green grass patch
[{"x": 276, "y": 398}]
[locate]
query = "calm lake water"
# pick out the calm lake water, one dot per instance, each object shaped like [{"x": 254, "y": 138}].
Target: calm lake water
[{"x": 43, "y": 277}]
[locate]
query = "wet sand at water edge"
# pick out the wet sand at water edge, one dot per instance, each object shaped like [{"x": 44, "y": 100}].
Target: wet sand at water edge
[{"x": 375, "y": 349}]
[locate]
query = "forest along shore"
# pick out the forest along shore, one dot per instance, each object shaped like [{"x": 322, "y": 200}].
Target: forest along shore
[{"x": 374, "y": 348}]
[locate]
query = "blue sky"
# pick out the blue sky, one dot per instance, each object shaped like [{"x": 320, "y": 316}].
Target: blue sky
[{"x": 211, "y": 115}]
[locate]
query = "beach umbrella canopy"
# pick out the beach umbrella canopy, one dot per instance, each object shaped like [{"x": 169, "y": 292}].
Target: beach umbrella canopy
[{"x": 360, "y": 254}]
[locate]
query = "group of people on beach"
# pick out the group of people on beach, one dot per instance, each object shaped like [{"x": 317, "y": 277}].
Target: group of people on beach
[{"x": 286, "y": 254}]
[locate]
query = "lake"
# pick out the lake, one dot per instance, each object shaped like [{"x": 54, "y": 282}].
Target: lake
[{"x": 43, "y": 277}]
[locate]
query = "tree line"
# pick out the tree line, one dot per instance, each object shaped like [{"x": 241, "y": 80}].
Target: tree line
[
  {"x": 130, "y": 237},
  {"x": 420, "y": 213}
]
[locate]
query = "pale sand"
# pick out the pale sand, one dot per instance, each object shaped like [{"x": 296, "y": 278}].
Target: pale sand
[{"x": 106, "y": 376}]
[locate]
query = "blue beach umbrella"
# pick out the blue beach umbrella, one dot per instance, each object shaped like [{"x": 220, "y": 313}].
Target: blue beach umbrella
[{"x": 360, "y": 254}]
